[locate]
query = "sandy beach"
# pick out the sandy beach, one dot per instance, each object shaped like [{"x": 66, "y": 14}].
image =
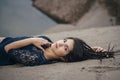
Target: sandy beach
[
  {"x": 96, "y": 27},
  {"x": 108, "y": 69}
]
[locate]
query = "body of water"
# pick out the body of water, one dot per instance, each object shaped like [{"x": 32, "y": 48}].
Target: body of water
[{"x": 19, "y": 17}]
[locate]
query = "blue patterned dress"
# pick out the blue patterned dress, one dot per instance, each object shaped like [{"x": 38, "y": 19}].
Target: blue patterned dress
[{"x": 27, "y": 55}]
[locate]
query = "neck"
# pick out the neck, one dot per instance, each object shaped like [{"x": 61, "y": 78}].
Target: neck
[{"x": 49, "y": 54}]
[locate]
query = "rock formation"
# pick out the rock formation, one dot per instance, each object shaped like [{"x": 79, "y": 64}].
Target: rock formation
[
  {"x": 113, "y": 7},
  {"x": 70, "y": 11},
  {"x": 64, "y": 11}
]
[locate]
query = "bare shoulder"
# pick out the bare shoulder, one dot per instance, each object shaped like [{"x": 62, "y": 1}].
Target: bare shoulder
[{"x": 1, "y": 39}]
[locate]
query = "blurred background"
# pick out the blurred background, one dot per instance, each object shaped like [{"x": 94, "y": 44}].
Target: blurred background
[
  {"x": 19, "y": 17},
  {"x": 34, "y": 17}
]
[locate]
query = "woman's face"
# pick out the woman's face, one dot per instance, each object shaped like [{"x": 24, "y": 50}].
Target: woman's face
[{"x": 62, "y": 47}]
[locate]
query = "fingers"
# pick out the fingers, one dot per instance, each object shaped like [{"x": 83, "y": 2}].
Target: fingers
[
  {"x": 42, "y": 49},
  {"x": 45, "y": 42},
  {"x": 39, "y": 42},
  {"x": 48, "y": 44},
  {"x": 41, "y": 46},
  {"x": 100, "y": 49}
]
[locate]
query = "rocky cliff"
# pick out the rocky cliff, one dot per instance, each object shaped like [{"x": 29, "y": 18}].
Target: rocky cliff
[
  {"x": 64, "y": 11},
  {"x": 113, "y": 7},
  {"x": 71, "y": 11}
]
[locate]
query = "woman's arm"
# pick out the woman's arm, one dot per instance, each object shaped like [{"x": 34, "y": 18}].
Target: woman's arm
[
  {"x": 18, "y": 44},
  {"x": 21, "y": 43}
]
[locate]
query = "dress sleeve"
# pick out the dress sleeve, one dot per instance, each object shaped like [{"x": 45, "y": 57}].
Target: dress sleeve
[{"x": 25, "y": 57}]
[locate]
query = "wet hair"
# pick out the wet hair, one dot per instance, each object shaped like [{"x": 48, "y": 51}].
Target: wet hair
[{"x": 82, "y": 51}]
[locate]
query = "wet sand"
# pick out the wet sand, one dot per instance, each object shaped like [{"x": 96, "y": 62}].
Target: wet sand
[{"x": 108, "y": 69}]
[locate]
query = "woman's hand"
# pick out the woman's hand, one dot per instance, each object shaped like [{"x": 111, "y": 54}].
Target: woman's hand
[
  {"x": 38, "y": 42},
  {"x": 99, "y": 49}
]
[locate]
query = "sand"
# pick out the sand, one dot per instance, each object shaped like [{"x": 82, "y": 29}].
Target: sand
[{"x": 108, "y": 69}]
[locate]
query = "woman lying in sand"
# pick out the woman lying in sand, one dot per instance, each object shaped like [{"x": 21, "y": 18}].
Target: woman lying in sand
[{"x": 40, "y": 50}]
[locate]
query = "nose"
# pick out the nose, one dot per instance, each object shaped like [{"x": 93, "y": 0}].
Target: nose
[{"x": 61, "y": 44}]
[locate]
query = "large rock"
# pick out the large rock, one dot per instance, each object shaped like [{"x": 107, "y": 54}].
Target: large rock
[
  {"x": 64, "y": 11},
  {"x": 113, "y": 7},
  {"x": 118, "y": 11},
  {"x": 96, "y": 17}
]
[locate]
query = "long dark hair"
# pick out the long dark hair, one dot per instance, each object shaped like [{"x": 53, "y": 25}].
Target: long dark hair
[{"x": 83, "y": 51}]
